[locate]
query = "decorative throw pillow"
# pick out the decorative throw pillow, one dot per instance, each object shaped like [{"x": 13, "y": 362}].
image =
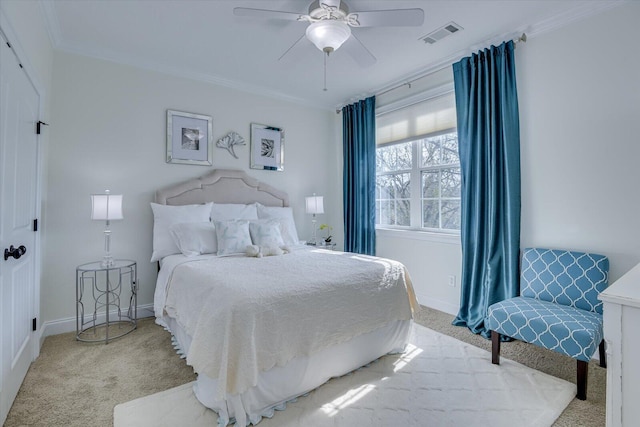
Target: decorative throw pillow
[
  {"x": 285, "y": 214},
  {"x": 232, "y": 211},
  {"x": 233, "y": 236},
  {"x": 164, "y": 216},
  {"x": 195, "y": 238},
  {"x": 266, "y": 233}
]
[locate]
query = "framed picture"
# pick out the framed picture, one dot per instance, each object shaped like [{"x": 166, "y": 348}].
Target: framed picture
[
  {"x": 189, "y": 138},
  {"x": 267, "y": 147}
]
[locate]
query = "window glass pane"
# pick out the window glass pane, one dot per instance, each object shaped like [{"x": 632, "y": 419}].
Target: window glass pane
[
  {"x": 385, "y": 212},
  {"x": 402, "y": 183},
  {"x": 439, "y": 150},
  {"x": 403, "y": 213},
  {"x": 451, "y": 214},
  {"x": 430, "y": 214},
  {"x": 393, "y": 194},
  {"x": 430, "y": 184},
  {"x": 429, "y": 152},
  {"x": 393, "y": 186},
  {"x": 393, "y": 157},
  {"x": 384, "y": 188},
  {"x": 451, "y": 182},
  {"x": 449, "y": 144}
]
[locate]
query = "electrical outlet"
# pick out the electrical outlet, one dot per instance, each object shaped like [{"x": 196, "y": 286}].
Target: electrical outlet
[{"x": 452, "y": 281}]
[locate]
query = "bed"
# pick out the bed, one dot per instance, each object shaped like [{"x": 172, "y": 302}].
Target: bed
[{"x": 261, "y": 331}]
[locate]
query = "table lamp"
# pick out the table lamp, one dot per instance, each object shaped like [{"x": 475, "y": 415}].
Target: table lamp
[
  {"x": 314, "y": 206},
  {"x": 106, "y": 207}
]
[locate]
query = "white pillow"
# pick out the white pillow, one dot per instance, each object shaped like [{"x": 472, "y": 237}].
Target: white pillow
[
  {"x": 289, "y": 234},
  {"x": 164, "y": 216},
  {"x": 233, "y": 236},
  {"x": 233, "y": 211},
  {"x": 266, "y": 233},
  {"x": 195, "y": 238}
]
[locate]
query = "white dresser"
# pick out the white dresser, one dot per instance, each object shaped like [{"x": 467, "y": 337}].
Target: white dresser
[{"x": 622, "y": 336}]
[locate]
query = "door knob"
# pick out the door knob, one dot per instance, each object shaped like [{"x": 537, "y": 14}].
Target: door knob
[{"x": 14, "y": 252}]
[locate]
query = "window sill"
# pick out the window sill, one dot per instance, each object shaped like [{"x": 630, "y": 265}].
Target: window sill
[{"x": 447, "y": 238}]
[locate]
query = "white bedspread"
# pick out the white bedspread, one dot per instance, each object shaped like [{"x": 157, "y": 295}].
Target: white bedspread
[{"x": 247, "y": 315}]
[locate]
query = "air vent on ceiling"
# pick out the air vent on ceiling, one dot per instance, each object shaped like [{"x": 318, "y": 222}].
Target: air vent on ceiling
[{"x": 441, "y": 33}]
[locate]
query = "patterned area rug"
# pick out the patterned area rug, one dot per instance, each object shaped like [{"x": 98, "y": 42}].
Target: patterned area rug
[{"x": 438, "y": 381}]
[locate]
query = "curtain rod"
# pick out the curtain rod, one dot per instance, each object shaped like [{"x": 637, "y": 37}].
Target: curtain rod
[{"x": 522, "y": 38}]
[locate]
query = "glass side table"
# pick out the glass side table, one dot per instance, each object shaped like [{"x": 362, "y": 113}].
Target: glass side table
[
  {"x": 105, "y": 286},
  {"x": 324, "y": 245}
]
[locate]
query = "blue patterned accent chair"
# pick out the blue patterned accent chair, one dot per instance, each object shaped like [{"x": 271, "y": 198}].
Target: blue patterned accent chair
[{"x": 558, "y": 307}]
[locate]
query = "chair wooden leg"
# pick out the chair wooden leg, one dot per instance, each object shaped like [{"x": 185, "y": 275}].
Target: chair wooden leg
[
  {"x": 603, "y": 355},
  {"x": 495, "y": 347},
  {"x": 583, "y": 370}
]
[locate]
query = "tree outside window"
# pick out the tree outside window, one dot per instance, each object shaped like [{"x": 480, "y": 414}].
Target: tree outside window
[{"x": 419, "y": 183}]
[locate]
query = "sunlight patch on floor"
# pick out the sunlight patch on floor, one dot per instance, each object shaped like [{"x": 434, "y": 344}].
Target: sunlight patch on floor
[
  {"x": 347, "y": 399},
  {"x": 410, "y": 353}
]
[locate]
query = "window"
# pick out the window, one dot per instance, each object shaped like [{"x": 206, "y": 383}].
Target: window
[{"x": 418, "y": 179}]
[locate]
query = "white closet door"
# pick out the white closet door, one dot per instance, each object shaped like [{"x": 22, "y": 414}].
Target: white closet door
[{"x": 19, "y": 106}]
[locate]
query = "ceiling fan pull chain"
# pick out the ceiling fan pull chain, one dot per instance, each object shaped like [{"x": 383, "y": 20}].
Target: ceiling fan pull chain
[{"x": 325, "y": 72}]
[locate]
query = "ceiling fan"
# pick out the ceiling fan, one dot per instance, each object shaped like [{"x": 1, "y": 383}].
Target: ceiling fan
[{"x": 330, "y": 23}]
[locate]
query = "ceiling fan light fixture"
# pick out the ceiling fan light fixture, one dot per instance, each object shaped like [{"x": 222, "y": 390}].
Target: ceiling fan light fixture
[{"x": 328, "y": 35}]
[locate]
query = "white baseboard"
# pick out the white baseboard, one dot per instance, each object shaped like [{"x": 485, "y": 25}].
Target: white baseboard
[
  {"x": 437, "y": 304},
  {"x": 61, "y": 326}
]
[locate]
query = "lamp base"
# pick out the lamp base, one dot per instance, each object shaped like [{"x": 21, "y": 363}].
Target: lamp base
[
  {"x": 107, "y": 261},
  {"x": 314, "y": 241}
]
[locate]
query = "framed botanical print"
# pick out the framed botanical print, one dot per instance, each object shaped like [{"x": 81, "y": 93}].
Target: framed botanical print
[
  {"x": 189, "y": 138},
  {"x": 267, "y": 147}
]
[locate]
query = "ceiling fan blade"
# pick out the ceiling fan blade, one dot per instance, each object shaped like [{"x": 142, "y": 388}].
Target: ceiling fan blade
[
  {"x": 388, "y": 18},
  {"x": 295, "y": 46},
  {"x": 358, "y": 51},
  {"x": 266, "y": 14}
]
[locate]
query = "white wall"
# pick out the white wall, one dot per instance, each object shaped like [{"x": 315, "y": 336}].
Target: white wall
[
  {"x": 579, "y": 101},
  {"x": 108, "y": 130},
  {"x": 579, "y": 121}
]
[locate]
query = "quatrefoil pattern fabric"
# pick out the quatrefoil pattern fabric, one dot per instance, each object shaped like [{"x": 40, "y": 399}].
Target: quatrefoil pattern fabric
[
  {"x": 564, "y": 277},
  {"x": 567, "y": 330},
  {"x": 558, "y": 308}
]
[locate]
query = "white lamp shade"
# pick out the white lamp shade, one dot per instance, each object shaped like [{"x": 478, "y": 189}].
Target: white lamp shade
[
  {"x": 315, "y": 205},
  {"x": 328, "y": 35},
  {"x": 106, "y": 207}
]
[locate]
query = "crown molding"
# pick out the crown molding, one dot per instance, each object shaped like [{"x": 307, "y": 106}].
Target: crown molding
[
  {"x": 577, "y": 13},
  {"x": 137, "y": 62},
  {"x": 58, "y": 42}
]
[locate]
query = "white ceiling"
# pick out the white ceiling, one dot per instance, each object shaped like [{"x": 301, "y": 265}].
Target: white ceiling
[{"x": 205, "y": 41}]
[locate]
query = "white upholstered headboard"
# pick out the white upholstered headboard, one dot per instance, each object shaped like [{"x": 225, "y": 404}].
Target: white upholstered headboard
[{"x": 222, "y": 186}]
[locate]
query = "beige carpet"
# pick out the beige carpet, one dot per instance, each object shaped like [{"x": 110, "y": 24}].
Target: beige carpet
[
  {"x": 437, "y": 381},
  {"x": 76, "y": 384}
]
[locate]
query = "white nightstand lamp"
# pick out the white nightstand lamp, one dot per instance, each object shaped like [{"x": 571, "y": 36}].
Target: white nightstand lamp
[
  {"x": 106, "y": 207},
  {"x": 314, "y": 206}
]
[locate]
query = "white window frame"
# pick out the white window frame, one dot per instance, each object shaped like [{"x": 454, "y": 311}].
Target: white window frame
[
  {"x": 416, "y": 199},
  {"x": 411, "y": 232}
]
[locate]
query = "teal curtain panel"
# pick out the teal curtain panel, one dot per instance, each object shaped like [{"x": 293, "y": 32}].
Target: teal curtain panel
[
  {"x": 359, "y": 150},
  {"x": 489, "y": 147}
]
